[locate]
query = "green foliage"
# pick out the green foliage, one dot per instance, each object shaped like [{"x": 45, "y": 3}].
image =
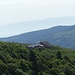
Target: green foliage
[
  {"x": 59, "y": 56},
  {"x": 3, "y": 68},
  {"x": 19, "y": 72},
  {"x": 16, "y": 59}
]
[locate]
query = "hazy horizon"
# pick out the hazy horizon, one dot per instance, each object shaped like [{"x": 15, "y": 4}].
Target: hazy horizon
[
  {"x": 19, "y": 11},
  {"x": 13, "y": 11},
  {"x": 34, "y": 25}
]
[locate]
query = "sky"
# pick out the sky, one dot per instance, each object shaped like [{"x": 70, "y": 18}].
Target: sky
[{"x": 14, "y": 11}]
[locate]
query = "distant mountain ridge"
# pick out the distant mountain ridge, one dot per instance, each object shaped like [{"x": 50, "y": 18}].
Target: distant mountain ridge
[
  {"x": 59, "y": 35},
  {"x": 28, "y": 26}
]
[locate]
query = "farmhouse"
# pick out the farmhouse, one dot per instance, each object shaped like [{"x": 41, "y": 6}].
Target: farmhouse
[
  {"x": 40, "y": 45},
  {"x": 35, "y": 46}
]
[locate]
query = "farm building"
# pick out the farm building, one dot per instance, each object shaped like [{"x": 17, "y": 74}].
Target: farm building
[
  {"x": 46, "y": 44},
  {"x": 35, "y": 46}
]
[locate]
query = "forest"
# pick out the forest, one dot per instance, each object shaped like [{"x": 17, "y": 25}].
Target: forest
[{"x": 17, "y": 59}]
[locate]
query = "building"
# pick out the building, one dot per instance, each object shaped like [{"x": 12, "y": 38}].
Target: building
[
  {"x": 40, "y": 45},
  {"x": 35, "y": 46},
  {"x": 46, "y": 44}
]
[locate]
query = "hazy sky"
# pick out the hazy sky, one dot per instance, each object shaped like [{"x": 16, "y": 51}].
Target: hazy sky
[
  {"x": 15, "y": 11},
  {"x": 12, "y": 11}
]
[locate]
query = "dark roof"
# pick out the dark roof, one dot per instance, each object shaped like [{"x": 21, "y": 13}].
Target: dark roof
[{"x": 46, "y": 44}]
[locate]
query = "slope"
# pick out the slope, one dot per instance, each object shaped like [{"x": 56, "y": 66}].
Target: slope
[
  {"x": 64, "y": 39},
  {"x": 59, "y": 35},
  {"x": 16, "y": 59},
  {"x": 36, "y": 36}
]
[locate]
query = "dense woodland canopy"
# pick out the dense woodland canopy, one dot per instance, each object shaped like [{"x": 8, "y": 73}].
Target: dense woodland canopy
[{"x": 16, "y": 59}]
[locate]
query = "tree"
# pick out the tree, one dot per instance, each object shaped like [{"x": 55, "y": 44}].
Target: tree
[
  {"x": 20, "y": 72},
  {"x": 58, "y": 54},
  {"x": 32, "y": 56},
  {"x": 3, "y": 68},
  {"x": 23, "y": 65},
  {"x": 33, "y": 59}
]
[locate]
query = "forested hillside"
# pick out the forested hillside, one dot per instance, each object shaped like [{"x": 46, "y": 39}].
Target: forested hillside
[
  {"x": 63, "y": 36},
  {"x": 64, "y": 39},
  {"x": 17, "y": 59}
]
